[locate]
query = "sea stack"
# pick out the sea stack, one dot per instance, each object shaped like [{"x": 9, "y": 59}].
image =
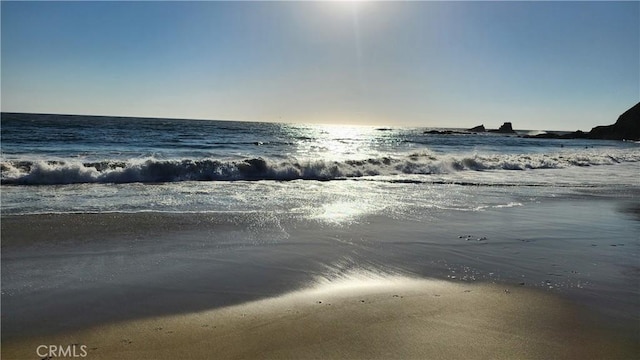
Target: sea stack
[{"x": 506, "y": 128}]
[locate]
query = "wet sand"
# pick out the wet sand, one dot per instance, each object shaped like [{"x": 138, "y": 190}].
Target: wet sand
[
  {"x": 360, "y": 317},
  {"x": 152, "y": 285}
]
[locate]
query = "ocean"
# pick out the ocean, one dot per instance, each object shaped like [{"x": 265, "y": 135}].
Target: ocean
[
  {"x": 62, "y": 164},
  {"x": 160, "y": 216}
]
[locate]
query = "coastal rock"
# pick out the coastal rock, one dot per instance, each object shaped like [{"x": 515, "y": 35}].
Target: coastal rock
[
  {"x": 506, "y": 128},
  {"x": 627, "y": 127},
  {"x": 442, "y": 132},
  {"x": 479, "y": 128}
]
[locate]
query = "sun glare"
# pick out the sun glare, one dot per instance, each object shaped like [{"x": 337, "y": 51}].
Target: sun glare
[
  {"x": 347, "y": 1},
  {"x": 347, "y": 5}
]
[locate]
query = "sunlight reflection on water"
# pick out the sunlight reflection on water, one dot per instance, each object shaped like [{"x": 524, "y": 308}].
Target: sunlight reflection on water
[
  {"x": 334, "y": 142},
  {"x": 342, "y": 212}
]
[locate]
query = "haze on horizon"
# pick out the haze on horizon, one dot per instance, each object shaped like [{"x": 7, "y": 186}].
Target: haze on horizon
[{"x": 540, "y": 65}]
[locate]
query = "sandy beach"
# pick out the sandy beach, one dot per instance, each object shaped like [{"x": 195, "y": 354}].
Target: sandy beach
[
  {"x": 166, "y": 286},
  {"x": 360, "y": 316}
]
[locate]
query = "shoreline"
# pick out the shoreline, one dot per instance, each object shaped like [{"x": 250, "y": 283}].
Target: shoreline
[
  {"x": 361, "y": 316},
  {"x": 247, "y": 285}
]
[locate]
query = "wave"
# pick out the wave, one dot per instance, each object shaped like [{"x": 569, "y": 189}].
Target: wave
[{"x": 152, "y": 170}]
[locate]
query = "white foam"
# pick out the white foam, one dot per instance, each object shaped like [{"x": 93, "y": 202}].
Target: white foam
[{"x": 152, "y": 170}]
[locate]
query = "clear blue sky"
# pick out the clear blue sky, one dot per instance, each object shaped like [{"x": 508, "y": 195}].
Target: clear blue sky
[{"x": 549, "y": 65}]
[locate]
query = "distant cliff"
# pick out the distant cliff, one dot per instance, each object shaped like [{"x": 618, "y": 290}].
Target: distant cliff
[{"x": 626, "y": 128}]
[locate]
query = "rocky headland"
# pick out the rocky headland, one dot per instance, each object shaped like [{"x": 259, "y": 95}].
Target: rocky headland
[{"x": 627, "y": 127}]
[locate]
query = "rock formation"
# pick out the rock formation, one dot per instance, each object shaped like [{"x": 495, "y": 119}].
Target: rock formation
[
  {"x": 479, "y": 128},
  {"x": 626, "y": 128},
  {"x": 506, "y": 128},
  {"x": 443, "y": 132}
]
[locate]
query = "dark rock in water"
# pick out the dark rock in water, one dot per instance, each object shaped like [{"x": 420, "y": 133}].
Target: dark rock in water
[
  {"x": 626, "y": 128},
  {"x": 434, "y": 132},
  {"x": 479, "y": 128},
  {"x": 442, "y": 132},
  {"x": 506, "y": 128},
  {"x": 576, "y": 135}
]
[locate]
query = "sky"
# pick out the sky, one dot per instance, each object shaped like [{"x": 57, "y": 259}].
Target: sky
[{"x": 539, "y": 65}]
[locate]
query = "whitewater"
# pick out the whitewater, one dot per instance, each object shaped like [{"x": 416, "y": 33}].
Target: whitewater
[{"x": 41, "y": 172}]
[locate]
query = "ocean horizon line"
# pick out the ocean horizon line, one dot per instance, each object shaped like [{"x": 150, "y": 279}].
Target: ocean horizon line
[{"x": 378, "y": 126}]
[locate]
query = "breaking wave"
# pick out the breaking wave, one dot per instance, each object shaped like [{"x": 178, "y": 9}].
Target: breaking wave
[{"x": 152, "y": 170}]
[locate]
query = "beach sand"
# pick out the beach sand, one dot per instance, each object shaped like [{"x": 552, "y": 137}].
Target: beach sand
[
  {"x": 360, "y": 317},
  {"x": 176, "y": 286}
]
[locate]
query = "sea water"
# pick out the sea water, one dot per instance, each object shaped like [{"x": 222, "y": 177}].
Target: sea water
[
  {"x": 189, "y": 202},
  {"x": 59, "y": 164}
]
